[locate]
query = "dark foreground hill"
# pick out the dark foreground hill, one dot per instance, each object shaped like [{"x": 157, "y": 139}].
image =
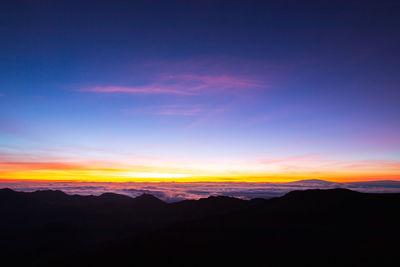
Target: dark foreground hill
[{"x": 314, "y": 227}]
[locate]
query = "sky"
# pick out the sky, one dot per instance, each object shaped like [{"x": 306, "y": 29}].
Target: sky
[{"x": 200, "y": 91}]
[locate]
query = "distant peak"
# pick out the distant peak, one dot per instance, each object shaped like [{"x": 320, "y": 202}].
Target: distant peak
[
  {"x": 148, "y": 198},
  {"x": 220, "y": 198},
  {"x": 108, "y": 194},
  {"x": 312, "y": 181},
  {"x": 6, "y": 190}
]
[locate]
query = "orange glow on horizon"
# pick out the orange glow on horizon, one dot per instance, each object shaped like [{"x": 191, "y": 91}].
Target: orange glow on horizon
[
  {"x": 267, "y": 170},
  {"x": 103, "y": 175}
]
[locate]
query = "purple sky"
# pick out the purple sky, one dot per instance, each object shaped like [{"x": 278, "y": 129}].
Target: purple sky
[{"x": 253, "y": 90}]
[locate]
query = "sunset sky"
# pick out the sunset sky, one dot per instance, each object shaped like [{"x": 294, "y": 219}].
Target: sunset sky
[{"x": 245, "y": 91}]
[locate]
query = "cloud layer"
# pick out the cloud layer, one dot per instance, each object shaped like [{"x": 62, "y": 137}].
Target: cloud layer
[{"x": 171, "y": 192}]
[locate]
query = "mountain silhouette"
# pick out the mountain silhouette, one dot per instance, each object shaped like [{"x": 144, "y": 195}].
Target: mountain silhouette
[
  {"x": 314, "y": 182},
  {"x": 148, "y": 200},
  {"x": 314, "y": 227}
]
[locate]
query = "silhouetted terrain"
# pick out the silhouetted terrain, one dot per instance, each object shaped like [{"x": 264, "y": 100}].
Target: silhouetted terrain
[{"x": 315, "y": 227}]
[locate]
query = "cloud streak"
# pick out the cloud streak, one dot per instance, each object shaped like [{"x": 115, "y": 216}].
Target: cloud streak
[
  {"x": 150, "y": 89},
  {"x": 178, "y": 110},
  {"x": 184, "y": 84},
  {"x": 40, "y": 165}
]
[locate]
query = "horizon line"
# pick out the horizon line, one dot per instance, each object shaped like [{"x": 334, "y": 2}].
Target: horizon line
[{"x": 192, "y": 182}]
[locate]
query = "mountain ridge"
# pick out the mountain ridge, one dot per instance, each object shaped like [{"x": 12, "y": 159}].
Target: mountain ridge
[{"x": 54, "y": 228}]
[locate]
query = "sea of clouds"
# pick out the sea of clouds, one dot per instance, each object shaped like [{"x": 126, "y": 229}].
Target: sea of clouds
[{"x": 172, "y": 192}]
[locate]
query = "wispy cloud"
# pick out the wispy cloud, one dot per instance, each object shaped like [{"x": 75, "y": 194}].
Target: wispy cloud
[
  {"x": 22, "y": 165},
  {"x": 177, "y": 110},
  {"x": 326, "y": 166},
  {"x": 372, "y": 164},
  {"x": 150, "y": 89},
  {"x": 184, "y": 84}
]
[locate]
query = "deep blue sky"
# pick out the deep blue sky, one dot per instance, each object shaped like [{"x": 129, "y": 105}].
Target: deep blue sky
[{"x": 203, "y": 87}]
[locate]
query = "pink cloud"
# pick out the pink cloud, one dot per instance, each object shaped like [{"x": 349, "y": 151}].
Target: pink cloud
[
  {"x": 40, "y": 165},
  {"x": 324, "y": 163},
  {"x": 185, "y": 84},
  {"x": 151, "y": 89},
  {"x": 213, "y": 82},
  {"x": 374, "y": 163}
]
